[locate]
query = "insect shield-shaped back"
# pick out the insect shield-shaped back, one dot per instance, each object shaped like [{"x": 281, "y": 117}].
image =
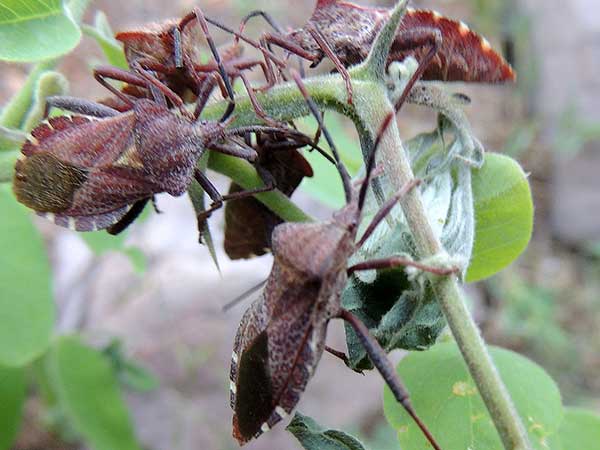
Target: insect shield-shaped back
[{"x": 86, "y": 174}]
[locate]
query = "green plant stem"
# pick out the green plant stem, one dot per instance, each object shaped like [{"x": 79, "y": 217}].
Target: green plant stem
[
  {"x": 466, "y": 333},
  {"x": 245, "y": 175}
]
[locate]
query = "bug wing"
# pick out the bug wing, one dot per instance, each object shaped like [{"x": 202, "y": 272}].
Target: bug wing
[
  {"x": 248, "y": 223},
  {"x": 79, "y": 172},
  {"x": 276, "y": 350},
  {"x": 82, "y": 141},
  {"x": 464, "y": 55}
]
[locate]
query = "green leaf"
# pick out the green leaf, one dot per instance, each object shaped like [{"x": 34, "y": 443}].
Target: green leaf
[
  {"x": 12, "y": 396},
  {"x": 580, "y": 430},
  {"x": 314, "y": 437},
  {"x": 88, "y": 392},
  {"x": 36, "y": 30},
  {"x": 326, "y": 185},
  {"x": 503, "y": 216},
  {"x": 26, "y": 306},
  {"x": 104, "y": 36},
  {"x": 196, "y": 194},
  {"x": 445, "y": 397},
  {"x": 13, "y": 113}
]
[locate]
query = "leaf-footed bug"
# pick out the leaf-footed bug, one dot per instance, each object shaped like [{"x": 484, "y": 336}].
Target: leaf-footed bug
[
  {"x": 462, "y": 55},
  {"x": 172, "y": 50},
  {"x": 97, "y": 170},
  {"x": 248, "y": 223},
  {"x": 281, "y": 337}
]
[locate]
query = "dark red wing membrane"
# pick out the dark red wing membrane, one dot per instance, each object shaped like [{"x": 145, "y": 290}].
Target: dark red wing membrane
[
  {"x": 248, "y": 223},
  {"x": 276, "y": 351},
  {"x": 463, "y": 56}
]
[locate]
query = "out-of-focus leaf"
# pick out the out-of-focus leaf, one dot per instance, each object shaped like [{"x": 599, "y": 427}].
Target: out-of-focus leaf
[
  {"x": 12, "y": 396},
  {"x": 88, "y": 392},
  {"x": 13, "y": 113},
  {"x": 11, "y": 139},
  {"x": 128, "y": 371},
  {"x": 36, "y": 30},
  {"x": 445, "y": 397},
  {"x": 314, "y": 437},
  {"x": 503, "y": 216},
  {"x": 7, "y": 165},
  {"x": 104, "y": 36},
  {"x": 49, "y": 83},
  {"x": 579, "y": 430},
  {"x": 26, "y": 306},
  {"x": 326, "y": 185}
]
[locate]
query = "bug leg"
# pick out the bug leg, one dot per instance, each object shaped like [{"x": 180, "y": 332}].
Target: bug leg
[
  {"x": 239, "y": 151},
  {"x": 320, "y": 39},
  {"x": 418, "y": 38},
  {"x": 266, "y": 16},
  {"x": 213, "y": 48},
  {"x": 317, "y": 114},
  {"x": 384, "y": 366},
  {"x": 155, "y": 205},
  {"x": 80, "y": 106},
  {"x": 399, "y": 261},
  {"x": 102, "y": 73},
  {"x": 385, "y": 209},
  {"x": 343, "y": 357},
  {"x": 255, "y": 104},
  {"x": 218, "y": 199},
  {"x": 128, "y": 218},
  {"x": 152, "y": 82},
  {"x": 230, "y": 304}
]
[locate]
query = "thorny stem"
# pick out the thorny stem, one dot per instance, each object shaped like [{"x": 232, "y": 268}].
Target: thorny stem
[
  {"x": 452, "y": 301},
  {"x": 371, "y": 106}
]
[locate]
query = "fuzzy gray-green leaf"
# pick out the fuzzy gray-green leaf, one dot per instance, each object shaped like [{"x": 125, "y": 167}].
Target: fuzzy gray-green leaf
[{"x": 312, "y": 436}]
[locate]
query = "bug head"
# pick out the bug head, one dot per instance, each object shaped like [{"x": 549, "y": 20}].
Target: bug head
[{"x": 45, "y": 184}]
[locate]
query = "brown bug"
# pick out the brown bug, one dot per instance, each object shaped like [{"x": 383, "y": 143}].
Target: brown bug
[
  {"x": 350, "y": 29},
  {"x": 98, "y": 170},
  {"x": 248, "y": 223},
  {"x": 281, "y": 337},
  {"x": 173, "y": 51}
]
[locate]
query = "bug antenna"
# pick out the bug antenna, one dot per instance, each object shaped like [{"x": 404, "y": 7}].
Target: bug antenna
[
  {"x": 213, "y": 49},
  {"x": 268, "y": 18},
  {"x": 315, "y": 112},
  {"x": 243, "y": 38},
  {"x": 243, "y": 296}
]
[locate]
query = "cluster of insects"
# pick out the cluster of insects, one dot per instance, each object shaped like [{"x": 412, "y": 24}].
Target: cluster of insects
[{"x": 98, "y": 168}]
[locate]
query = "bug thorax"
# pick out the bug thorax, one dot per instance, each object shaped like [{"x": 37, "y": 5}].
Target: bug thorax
[
  {"x": 348, "y": 28},
  {"x": 154, "y": 42}
]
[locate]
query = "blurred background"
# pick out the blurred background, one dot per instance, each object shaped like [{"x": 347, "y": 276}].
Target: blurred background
[{"x": 169, "y": 318}]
